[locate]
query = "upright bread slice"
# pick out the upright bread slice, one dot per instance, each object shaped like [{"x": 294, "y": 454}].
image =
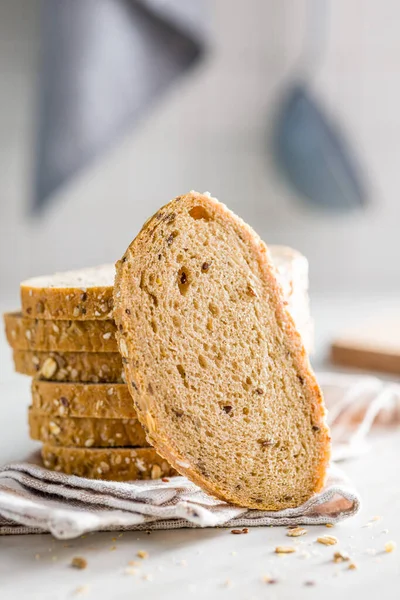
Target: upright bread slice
[
  {"x": 91, "y": 400},
  {"x": 24, "y": 333},
  {"x": 110, "y": 464},
  {"x": 84, "y": 432},
  {"x": 217, "y": 370},
  {"x": 81, "y": 294},
  {"x": 91, "y": 367}
]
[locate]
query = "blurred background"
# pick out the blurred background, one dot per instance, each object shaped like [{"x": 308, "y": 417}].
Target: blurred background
[{"x": 207, "y": 123}]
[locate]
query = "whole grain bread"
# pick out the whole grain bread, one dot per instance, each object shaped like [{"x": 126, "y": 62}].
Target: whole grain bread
[
  {"x": 24, "y": 333},
  {"x": 110, "y": 464},
  {"x": 90, "y": 400},
  {"x": 93, "y": 367},
  {"x": 217, "y": 370},
  {"x": 81, "y": 294},
  {"x": 85, "y": 432}
]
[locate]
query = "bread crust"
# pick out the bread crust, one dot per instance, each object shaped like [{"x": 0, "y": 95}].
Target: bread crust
[
  {"x": 85, "y": 432},
  {"x": 82, "y": 400},
  {"x": 66, "y": 303},
  {"x": 81, "y": 294},
  {"x": 108, "y": 464},
  {"x": 136, "y": 377},
  {"x": 91, "y": 367},
  {"x": 24, "y": 333}
]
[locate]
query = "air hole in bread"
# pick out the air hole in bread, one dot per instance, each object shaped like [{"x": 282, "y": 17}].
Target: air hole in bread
[
  {"x": 210, "y": 325},
  {"x": 199, "y": 212},
  {"x": 214, "y": 310},
  {"x": 154, "y": 299},
  {"x": 245, "y": 410},
  {"x": 176, "y": 321},
  {"x": 154, "y": 326},
  {"x": 247, "y": 384},
  {"x": 202, "y": 362},
  {"x": 182, "y": 373},
  {"x": 180, "y": 258},
  {"x": 183, "y": 280}
]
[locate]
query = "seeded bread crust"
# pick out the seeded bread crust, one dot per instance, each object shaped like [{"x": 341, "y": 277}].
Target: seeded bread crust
[
  {"x": 85, "y": 432},
  {"x": 109, "y": 464},
  {"x": 91, "y": 367},
  {"x": 83, "y": 400},
  {"x": 258, "y": 461},
  {"x": 41, "y": 335},
  {"x": 82, "y": 294}
]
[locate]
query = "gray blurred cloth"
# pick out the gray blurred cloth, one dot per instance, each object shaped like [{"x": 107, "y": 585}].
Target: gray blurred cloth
[{"x": 103, "y": 63}]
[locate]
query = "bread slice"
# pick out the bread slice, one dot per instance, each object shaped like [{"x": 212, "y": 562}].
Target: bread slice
[
  {"x": 90, "y": 367},
  {"x": 91, "y": 400},
  {"x": 85, "y": 432},
  {"x": 216, "y": 368},
  {"x": 110, "y": 464},
  {"x": 82, "y": 294},
  {"x": 24, "y": 333}
]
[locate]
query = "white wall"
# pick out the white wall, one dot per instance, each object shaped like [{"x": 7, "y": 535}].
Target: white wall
[{"x": 210, "y": 133}]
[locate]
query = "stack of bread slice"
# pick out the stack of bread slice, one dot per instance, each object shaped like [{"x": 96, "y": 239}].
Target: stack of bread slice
[{"x": 81, "y": 409}]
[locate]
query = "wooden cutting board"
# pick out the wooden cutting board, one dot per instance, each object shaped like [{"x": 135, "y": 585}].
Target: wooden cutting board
[{"x": 373, "y": 346}]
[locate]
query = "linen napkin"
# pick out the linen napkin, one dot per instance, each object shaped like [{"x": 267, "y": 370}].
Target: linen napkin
[{"x": 34, "y": 499}]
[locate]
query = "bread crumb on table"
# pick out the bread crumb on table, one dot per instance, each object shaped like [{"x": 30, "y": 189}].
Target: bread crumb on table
[
  {"x": 239, "y": 531},
  {"x": 285, "y": 549},
  {"x": 327, "y": 540},
  {"x": 390, "y": 546},
  {"x": 339, "y": 557},
  {"x": 296, "y": 532},
  {"x": 78, "y": 562},
  {"x": 143, "y": 554},
  {"x": 269, "y": 579}
]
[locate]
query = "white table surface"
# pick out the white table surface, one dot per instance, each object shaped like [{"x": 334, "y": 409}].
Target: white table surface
[{"x": 214, "y": 563}]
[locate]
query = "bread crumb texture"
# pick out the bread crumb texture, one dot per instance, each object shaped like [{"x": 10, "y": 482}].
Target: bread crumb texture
[{"x": 217, "y": 370}]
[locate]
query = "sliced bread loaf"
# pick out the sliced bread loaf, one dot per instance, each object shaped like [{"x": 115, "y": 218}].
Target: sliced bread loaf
[
  {"x": 110, "y": 464},
  {"x": 81, "y": 294},
  {"x": 213, "y": 361}
]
